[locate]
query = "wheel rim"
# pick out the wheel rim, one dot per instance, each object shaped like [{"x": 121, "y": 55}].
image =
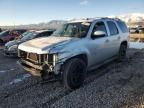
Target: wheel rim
[
  {"x": 77, "y": 74},
  {"x": 123, "y": 51}
]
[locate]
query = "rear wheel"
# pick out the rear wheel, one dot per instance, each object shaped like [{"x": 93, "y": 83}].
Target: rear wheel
[
  {"x": 122, "y": 52},
  {"x": 74, "y": 73}
]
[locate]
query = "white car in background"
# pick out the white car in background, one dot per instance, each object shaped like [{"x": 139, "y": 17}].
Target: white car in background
[{"x": 11, "y": 47}]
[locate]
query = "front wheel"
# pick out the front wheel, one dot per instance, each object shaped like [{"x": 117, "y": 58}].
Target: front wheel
[{"x": 74, "y": 73}]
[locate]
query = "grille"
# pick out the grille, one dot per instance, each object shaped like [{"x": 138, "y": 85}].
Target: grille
[
  {"x": 33, "y": 57},
  {"x": 22, "y": 54},
  {"x": 50, "y": 58},
  {"x": 38, "y": 58}
]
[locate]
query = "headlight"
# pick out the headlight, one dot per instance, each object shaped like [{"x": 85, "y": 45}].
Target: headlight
[
  {"x": 55, "y": 58},
  {"x": 13, "y": 48}
]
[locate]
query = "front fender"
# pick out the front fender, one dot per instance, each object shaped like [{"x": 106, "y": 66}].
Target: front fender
[{"x": 70, "y": 54}]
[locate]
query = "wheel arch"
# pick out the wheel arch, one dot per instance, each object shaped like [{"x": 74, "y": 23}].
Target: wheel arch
[
  {"x": 82, "y": 56},
  {"x": 124, "y": 43}
]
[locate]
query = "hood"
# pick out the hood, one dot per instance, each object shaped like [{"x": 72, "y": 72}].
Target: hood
[
  {"x": 43, "y": 45},
  {"x": 11, "y": 43}
]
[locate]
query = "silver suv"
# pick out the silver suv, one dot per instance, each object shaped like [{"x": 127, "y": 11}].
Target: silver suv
[{"x": 76, "y": 48}]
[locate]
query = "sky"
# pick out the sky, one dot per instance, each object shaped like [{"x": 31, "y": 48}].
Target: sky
[{"x": 15, "y": 12}]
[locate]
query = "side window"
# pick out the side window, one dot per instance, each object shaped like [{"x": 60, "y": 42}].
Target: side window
[
  {"x": 7, "y": 33},
  {"x": 41, "y": 34},
  {"x": 112, "y": 28},
  {"x": 48, "y": 33},
  {"x": 122, "y": 26},
  {"x": 38, "y": 35},
  {"x": 99, "y": 26}
]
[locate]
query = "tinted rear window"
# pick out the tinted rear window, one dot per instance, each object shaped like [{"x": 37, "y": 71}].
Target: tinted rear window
[
  {"x": 122, "y": 26},
  {"x": 112, "y": 28}
]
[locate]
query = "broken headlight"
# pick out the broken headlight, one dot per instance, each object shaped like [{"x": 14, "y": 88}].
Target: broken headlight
[{"x": 13, "y": 48}]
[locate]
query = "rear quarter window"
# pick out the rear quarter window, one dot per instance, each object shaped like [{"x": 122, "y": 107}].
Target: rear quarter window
[{"x": 122, "y": 26}]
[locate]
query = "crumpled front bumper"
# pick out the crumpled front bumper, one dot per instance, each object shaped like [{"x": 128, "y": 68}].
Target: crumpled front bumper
[
  {"x": 30, "y": 67},
  {"x": 40, "y": 69}
]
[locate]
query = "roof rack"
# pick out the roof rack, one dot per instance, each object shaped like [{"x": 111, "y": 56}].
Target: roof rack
[
  {"x": 106, "y": 18},
  {"x": 111, "y": 18},
  {"x": 95, "y": 18}
]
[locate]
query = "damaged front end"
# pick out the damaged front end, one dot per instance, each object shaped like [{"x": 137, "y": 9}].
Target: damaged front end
[{"x": 44, "y": 65}]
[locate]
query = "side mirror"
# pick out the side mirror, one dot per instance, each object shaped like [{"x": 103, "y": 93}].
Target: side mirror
[{"x": 97, "y": 34}]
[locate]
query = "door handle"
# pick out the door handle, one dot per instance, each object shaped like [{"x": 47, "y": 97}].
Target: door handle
[
  {"x": 119, "y": 38},
  {"x": 106, "y": 40}
]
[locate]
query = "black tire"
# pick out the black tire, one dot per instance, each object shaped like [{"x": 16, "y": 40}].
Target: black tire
[
  {"x": 122, "y": 52},
  {"x": 74, "y": 73}
]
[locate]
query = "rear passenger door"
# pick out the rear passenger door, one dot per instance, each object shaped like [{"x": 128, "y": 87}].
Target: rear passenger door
[{"x": 114, "y": 38}]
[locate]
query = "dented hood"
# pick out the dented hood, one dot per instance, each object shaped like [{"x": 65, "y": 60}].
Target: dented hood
[{"x": 43, "y": 45}]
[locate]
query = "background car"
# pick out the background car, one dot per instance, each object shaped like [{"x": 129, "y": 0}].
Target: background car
[
  {"x": 133, "y": 30},
  {"x": 0, "y": 30},
  {"x": 9, "y": 35},
  {"x": 136, "y": 30},
  {"x": 11, "y": 47}
]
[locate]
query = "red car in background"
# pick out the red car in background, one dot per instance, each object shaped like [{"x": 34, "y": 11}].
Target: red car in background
[{"x": 9, "y": 35}]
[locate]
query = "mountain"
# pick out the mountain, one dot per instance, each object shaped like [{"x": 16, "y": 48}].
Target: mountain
[
  {"x": 54, "y": 24},
  {"x": 133, "y": 19}
]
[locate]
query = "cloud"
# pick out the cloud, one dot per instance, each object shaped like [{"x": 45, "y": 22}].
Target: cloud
[{"x": 83, "y": 2}]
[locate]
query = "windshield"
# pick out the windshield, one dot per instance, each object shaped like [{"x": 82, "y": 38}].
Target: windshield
[
  {"x": 4, "y": 32},
  {"x": 73, "y": 30},
  {"x": 28, "y": 35}
]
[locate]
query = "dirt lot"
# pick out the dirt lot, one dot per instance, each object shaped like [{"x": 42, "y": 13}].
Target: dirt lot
[{"x": 117, "y": 84}]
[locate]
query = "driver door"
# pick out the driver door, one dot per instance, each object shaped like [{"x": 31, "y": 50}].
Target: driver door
[{"x": 99, "y": 44}]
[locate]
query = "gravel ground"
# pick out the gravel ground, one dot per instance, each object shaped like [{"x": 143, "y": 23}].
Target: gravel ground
[{"x": 117, "y": 84}]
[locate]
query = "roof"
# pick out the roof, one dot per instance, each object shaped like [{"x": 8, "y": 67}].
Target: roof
[
  {"x": 39, "y": 31},
  {"x": 80, "y": 20}
]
